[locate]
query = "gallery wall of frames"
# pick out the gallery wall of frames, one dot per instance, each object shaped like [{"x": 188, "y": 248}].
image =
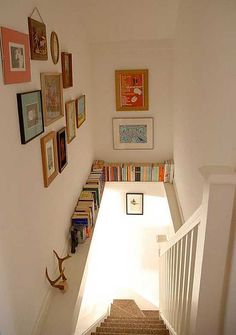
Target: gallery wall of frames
[{"x": 40, "y": 108}]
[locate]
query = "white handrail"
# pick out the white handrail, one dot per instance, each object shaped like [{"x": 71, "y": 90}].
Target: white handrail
[{"x": 193, "y": 221}]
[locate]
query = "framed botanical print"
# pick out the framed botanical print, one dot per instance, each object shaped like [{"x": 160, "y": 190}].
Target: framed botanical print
[
  {"x": 38, "y": 39},
  {"x": 15, "y": 56},
  {"x": 61, "y": 149},
  {"x": 49, "y": 157},
  {"x": 131, "y": 90},
  {"x": 70, "y": 120},
  {"x": 30, "y": 115},
  {"x": 52, "y": 97},
  {"x": 80, "y": 110},
  {"x": 133, "y": 133},
  {"x": 54, "y": 46},
  {"x": 66, "y": 64},
  {"x": 134, "y": 203}
]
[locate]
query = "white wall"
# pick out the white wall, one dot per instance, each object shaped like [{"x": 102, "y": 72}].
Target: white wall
[
  {"x": 35, "y": 220},
  {"x": 123, "y": 259},
  {"x": 204, "y": 104},
  {"x": 156, "y": 56}
]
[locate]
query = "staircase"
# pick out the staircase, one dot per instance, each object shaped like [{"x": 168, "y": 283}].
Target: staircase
[{"x": 126, "y": 318}]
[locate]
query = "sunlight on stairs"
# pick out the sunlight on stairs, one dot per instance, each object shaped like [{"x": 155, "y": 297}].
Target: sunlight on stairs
[{"x": 126, "y": 318}]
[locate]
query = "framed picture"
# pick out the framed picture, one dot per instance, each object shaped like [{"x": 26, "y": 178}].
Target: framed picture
[
  {"x": 66, "y": 64},
  {"x": 70, "y": 120},
  {"x": 131, "y": 90},
  {"x": 61, "y": 149},
  {"x": 133, "y": 133},
  {"x": 38, "y": 40},
  {"x": 30, "y": 115},
  {"x": 134, "y": 203},
  {"x": 54, "y": 46},
  {"x": 15, "y": 56},
  {"x": 80, "y": 110},
  {"x": 49, "y": 157},
  {"x": 52, "y": 97}
]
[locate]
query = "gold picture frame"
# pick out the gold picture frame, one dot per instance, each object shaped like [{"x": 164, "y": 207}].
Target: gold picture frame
[
  {"x": 131, "y": 90},
  {"x": 49, "y": 157},
  {"x": 54, "y": 47},
  {"x": 52, "y": 97},
  {"x": 70, "y": 120}
]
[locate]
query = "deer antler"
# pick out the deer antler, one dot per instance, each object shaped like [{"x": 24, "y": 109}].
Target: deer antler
[
  {"x": 60, "y": 261},
  {"x": 61, "y": 285}
]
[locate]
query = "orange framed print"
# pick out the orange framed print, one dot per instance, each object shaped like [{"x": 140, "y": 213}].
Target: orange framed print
[
  {"x": 80, "y": 110},
  {"x": 131, "y": 90},
  {"x": 52, "y": 97},
  {"x": 49, "y": 157},
  {"x": 15, "y": 56}
]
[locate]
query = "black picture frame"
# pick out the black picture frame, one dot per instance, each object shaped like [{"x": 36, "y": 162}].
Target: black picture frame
[
  {"x": 62, "y": 149},
  {"x": 30, "y": 113},
  {"x": 134, "y": 203}
]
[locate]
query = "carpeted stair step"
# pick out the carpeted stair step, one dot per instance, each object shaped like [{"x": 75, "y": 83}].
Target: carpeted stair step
[
  {"x": 151, "y": 313},
  {"x": 131, "y": 324},
  {"x": 138, "y": 320},
  {"x": 159, "y": 332},
  {"x": 125, "y": 308},
  {"x": 108, "y": 330}
]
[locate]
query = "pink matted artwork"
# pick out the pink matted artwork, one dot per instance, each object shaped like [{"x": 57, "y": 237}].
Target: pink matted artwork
[{"x": 16, "y": 56}]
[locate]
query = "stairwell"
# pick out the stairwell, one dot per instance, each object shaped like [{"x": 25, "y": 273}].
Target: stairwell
[{"x": 127, "y": 318}]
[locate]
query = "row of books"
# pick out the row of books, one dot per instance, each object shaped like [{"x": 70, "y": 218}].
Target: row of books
[
  {"x": 157, "y": 172},
  {"x": 84, "y": 216}
]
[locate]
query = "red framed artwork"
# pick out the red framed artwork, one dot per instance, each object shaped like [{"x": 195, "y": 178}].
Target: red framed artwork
[
  {"x": 131, "y": 90},
  {"x": 16, "y": 56}
]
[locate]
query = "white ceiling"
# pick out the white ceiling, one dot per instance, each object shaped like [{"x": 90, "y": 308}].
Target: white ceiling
[{"x": 125, "y": 20}]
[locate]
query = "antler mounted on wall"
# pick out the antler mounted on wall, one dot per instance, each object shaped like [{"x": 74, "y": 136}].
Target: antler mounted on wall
[{"x": 57, "y": 283}]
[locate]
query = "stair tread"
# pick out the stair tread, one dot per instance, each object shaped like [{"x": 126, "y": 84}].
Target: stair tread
[{"x": 131, "y": 324}]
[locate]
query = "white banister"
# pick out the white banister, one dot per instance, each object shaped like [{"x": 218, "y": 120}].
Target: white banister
[{"x": 192, "y": 263}]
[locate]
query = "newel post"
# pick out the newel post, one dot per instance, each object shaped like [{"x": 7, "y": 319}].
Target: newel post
[{"x": 212, "y": 247}]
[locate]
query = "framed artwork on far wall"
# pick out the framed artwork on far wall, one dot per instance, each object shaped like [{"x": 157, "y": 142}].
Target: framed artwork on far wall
[
  {"x": 131, "y": 90},
  {"x": 133, "y": 133},
  {"x": 15, "y": 56},
  {"x": 30, "y": 115},
  {"x": 52, "y": 97},
  {"x": 70, "y": 120},
  {"x": 80, "y": 110},
  {"x": 49, "y": 157},
  {"x": 38, "y": 39},
  {"x": 66, "y": 64},
  {"x": 54, "y": 46},
  {"x": 134, "y": 203},
  {"x": 61, "y": 149}
]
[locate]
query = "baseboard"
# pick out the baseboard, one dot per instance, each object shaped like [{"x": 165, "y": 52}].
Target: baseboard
[
  {"x": 171, "y": 330},
  {"x": 178, "y": 201},
  {"x": 92, "y": 328}
]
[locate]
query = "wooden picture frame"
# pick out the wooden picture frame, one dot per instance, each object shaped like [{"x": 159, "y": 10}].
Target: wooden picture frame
[
  {"x": 15, "y": 56},
  {"x": 134, "y": 203},
  {"x": 80, "y": 110},
  {"x": 66, "y": 64},
  {"x": 30, "y": 115},
  {"x": 49, "y": 157},
  {"x": 54, "y": 47},
  {"x": 70, "y": 120},
  {"x": 133, "y": 133},
  {"x": 52, "y": 97},
  {"x": 38, "y": 39},
  {"x": 131, "y": 90},
  {"x": 62, "y": 149}
]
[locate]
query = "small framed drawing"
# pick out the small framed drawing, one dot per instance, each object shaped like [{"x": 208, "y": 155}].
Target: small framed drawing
[
  {"x": 134, "y": 203},
  {"x": 30, "y": 115},
  {"x": 49, "y": 157},
  {"x": 52, "y": 97},
  {"x": 61, "y": 149},
  {"x": 66, "y": 64},
  {"x": 70, "y": 120},
  {"x": 131, "y": 90},
  {"x": 38, "y": 40},
  {"x": 15, "y": 56},
  {"x": 54, "y": 46},
  {"x": 133, "y": 133},
  {"x": 80, "y": 110}
]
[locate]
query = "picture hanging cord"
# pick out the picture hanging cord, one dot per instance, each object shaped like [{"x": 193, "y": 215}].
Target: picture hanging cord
[{"x": 36, "y": 9}]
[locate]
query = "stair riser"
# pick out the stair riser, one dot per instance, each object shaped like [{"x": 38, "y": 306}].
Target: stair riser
[
  {"x": 131, "y": 325},
  {"x": 129, "y": 330},
  {"x": 159, "y": 332}
]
